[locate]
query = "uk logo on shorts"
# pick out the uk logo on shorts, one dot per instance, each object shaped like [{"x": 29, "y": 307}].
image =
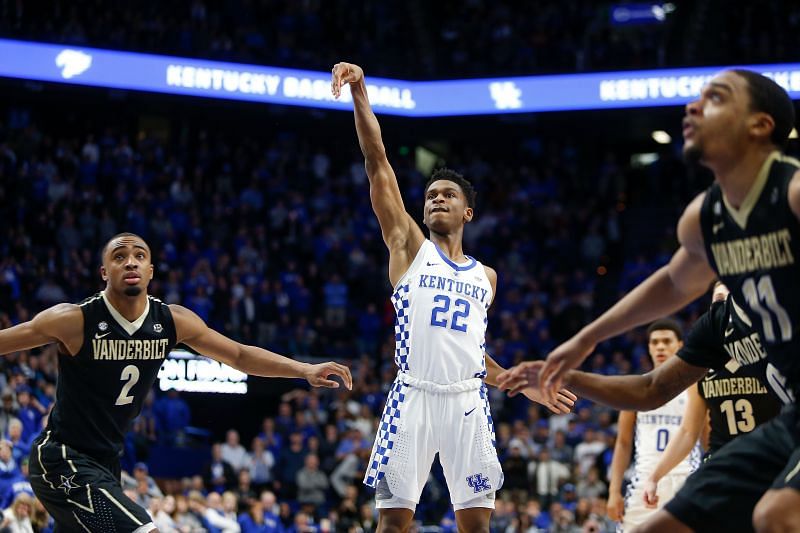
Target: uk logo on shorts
[{"x": 478, "y": 482}]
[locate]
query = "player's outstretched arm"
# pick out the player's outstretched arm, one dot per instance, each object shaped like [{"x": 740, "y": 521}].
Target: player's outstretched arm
[
  {"x": 401, "y": 234},
  {"x": 679, "y": 446},
  {"x": 633, "y": 392},
  {"x": 684, "y": 279},
  {"x": 564, "y": 402},
  {"x": 61, "y": 323},
  {"x": 619, "y": 463},
  {"x": 192, "y": 331}
]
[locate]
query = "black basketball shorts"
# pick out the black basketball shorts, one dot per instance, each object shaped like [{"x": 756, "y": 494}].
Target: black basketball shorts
[
  {"x": 722, "y": 493},
  {"x": 80, "y": 492}
]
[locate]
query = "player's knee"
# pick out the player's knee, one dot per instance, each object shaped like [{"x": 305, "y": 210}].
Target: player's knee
[
  {"x": 777, "y": 512},
  {"x": 391, "y": 526},
  {"x": 393, "y": 522},
  {"x": 474, "y": 527},
  {"x": 647, "y": 527}
]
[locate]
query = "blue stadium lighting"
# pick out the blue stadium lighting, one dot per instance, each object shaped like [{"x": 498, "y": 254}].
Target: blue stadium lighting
[{"x": 254, "y": 83}]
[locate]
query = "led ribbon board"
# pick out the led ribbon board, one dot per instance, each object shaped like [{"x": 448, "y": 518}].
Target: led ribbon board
[
  {"x": 215, "y": 79},
  {"x": 188, "y": 372}
]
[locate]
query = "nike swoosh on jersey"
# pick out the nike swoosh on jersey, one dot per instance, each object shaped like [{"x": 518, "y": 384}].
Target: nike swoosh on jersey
[
  {"x": 466, "y": 413},
  {"x": 98, "y": 336},
  {"x": 728, "y": 332}
]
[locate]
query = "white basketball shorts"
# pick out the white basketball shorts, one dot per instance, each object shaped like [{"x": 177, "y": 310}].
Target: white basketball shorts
[
  {"x": 635, "y": 511},
  {"x": 423, "y": 418}
]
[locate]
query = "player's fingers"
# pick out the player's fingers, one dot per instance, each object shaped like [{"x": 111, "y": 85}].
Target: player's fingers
[
  {"x": 516, "y": 384},
  {"x": 334, "y": 80},
  {"x": 552, "y": 383},
  {"x": 568, "y": 393},
  {"x": 344, "y": 373},
  {"x": 507, "y": 382},
  {"x": 502, "y": 377},
  {"x": 516, "y": 388},
  {"x": 555, "y": 409},
  {"x": 564, "y": 406},
  {"x": 561, "y": 409},
  {"x": 566, "y": 400},
  {"x": 327, "y": 383},
  {"x": 341, "y": 71},
  {"x": 545, "y": 372}
]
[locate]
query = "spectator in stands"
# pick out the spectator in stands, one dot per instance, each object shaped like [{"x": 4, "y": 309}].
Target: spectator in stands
[
  {"x": 20, "y": 447},
  {"x": 312, "y": 484},
  {"x": 141, "y": 473},
  {"x": 10, "y": 473},
  {"x": 252, "y": 521},
  {"x": 515, "y": 471},
  {"x": 284, "y": 422},
  {"x": 289, "y": 464},
  {"x": 184, "y": 517},
  {"x": 218, "y": 474},
  {"x": 172, "y": 414},
  {"x": 233, "y": 452},
  {"x": 30, "y": 413},
  {"x": 587, "y": 451},
  {"x": 270, "y": 505},
  {"x": 17, "y": 518},
  {"x": 8, "y": 411},
  {"x": 261, "y": 462},
  {"x": 270, "y": 437},
  {"x": 162, "y": 511},
  {"x": 245, "y": 492},
  {"x": 547, "y": 475},
  {"x": 591, "y": 486},
  {"x": 561, "y": 451}
]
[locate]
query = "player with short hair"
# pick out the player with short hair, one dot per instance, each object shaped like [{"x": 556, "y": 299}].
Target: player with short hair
[
  {"x": 648, "y": 432},
  {"x": 745, "y": 230},
  {"x": 731, "y": 400},
  {"x": 438, "y": 403},
  {"x": 110, "y": 348}
]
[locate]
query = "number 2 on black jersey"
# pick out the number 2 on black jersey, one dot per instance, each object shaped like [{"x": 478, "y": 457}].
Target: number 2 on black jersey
[{"x": 130, "y": 375}]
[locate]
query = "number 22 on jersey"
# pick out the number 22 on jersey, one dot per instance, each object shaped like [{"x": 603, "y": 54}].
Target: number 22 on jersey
[{"x": 442, "y": 317}]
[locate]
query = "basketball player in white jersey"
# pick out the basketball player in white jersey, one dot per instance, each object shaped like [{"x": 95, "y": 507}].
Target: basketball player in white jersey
[
  {"x": 650, "y": 432},
  {"x": 438, "y": 402}
]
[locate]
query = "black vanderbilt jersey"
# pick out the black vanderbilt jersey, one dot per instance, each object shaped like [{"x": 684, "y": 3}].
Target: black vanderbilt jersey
[
  {"x": 101, "y": 388},
  {"x": 754, "y": 250},
  {"x": 736, "y": 388}
]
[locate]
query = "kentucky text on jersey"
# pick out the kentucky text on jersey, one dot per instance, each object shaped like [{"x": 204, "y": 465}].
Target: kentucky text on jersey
[
  {"x": 654, "y": 418},
  {"x": 761, "y": 252},
  {"x": 461, "y": 287},
  {"x": 732, "y": 387},
  {"x": 746, "y": 351},
  {"x": 120, "y": 349}
]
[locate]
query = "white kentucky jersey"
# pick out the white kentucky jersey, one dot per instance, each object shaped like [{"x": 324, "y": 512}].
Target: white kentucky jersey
[
  {"x": 441, "y": 317},
  {"x": 654, "y": 429}
]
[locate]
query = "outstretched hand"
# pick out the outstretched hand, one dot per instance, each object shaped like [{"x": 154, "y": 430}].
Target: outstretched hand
[
  {"x": 564, "y": 358},
  {"x": 520, "y": 377},
  {"x": 565, "y": 400},
  {"x": 342, "y": 73},
  {"x": 318, "y": 375},
  {"x": 524, "y": 379}
]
